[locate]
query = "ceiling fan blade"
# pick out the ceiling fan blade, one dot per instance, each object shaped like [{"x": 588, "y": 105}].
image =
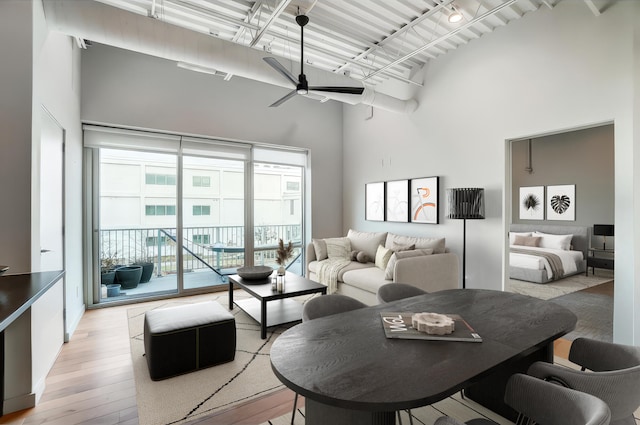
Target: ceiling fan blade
[
  {"x": 283, "y": 99},
  {"x": 347, "y": 90},
  {"x": 281, "y": 69}
]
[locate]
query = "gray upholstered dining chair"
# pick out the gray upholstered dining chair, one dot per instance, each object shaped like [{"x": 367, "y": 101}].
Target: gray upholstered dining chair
[
  {"x": 326, "y": 305},
  {"x": 546, "y": 403},
  {"x": 610, "y": 372},
  {"x": 397, "y": 291}
]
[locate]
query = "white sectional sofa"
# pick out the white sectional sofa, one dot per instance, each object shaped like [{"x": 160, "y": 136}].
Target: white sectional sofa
[{"x": 384, "y": 258}]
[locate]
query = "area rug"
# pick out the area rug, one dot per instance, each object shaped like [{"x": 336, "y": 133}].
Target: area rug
[
  {"x": 207, "y": 391},
  {"x": 560, "y": 287},
  {"x": 594, "y": 312}
]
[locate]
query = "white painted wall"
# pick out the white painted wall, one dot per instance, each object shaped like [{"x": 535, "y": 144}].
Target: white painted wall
[
  {"x": 15, "y": 141},
  {"x": 57, "y": 88},
  {"x": 549, "y": 71},
  {"x": 123, "y": 88}
]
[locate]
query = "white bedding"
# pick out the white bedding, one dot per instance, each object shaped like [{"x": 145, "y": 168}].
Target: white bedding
[{"x": 569, "y": 260}]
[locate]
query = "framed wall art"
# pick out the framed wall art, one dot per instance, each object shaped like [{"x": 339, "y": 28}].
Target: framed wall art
[
  {"x": 532, "y": 203},
  {"x": 424, "y": 200},
  {"x": 374, "y": 201},
  {"x": 561, "y": 202},
  {"x": 397, "y": 201}
]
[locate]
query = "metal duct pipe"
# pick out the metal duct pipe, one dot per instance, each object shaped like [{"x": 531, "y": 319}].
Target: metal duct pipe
[{"x": 115, "y": 27}]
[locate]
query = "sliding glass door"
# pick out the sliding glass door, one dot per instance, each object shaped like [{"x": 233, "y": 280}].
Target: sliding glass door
[
  {"x": 213, "y": 220},
  {"x": 175, "y": 214}
]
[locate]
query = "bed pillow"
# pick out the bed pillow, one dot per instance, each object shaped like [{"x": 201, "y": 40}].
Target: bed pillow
[
  {"x": 527, "y": 240},
  {"x": 554, "y": 241},
  {"x": 388, "y": 272},
  {"x": 338, "y": 248},
  {"x": 512, "y": 236}
]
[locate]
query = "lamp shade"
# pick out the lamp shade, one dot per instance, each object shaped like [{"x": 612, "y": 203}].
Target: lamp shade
[
  {"x": 465, "y": 203},
  {"x": 603, "y": 229}
]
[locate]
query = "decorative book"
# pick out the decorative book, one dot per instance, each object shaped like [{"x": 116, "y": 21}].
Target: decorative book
[{"x": 399, "y": 325}]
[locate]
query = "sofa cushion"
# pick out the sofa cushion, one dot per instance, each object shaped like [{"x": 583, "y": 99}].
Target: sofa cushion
[
  {"x": 338, "y": 248},
  {"x": 367, "y": 279},
  {"x": 388, "y": 272},
  {"x": 382, "y": 257},
  {"x": 437, "y": 244},
  {"x": 366, "y": 241},
  {"x": 354, "y": 265},
  {"x": 320, "y": 247}
]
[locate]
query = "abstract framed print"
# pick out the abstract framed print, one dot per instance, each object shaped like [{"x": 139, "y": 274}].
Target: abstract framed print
[
  {"x": 374, "y": 201},
  {"x": 424, "y": 200},
  {"x": 532, "y": 203},
  {"x": 397, "y": 200},
  {"x": 561, "y": 202}
]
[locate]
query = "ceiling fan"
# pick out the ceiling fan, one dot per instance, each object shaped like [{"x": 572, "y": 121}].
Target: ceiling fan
[{"x": 301, "y": 83}]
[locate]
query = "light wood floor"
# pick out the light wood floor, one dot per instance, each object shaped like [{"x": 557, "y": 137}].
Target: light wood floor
[{"x": 92, "y": 381}]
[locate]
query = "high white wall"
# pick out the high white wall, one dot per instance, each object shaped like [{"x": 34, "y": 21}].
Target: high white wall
[
  {"x": 550, "y": 71},
  {"x": 16, "y": 38},
  {"x": 123, "y": 88}
]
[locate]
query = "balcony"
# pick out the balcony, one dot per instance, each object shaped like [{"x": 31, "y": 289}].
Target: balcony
[{"x": 209, "y": 255}]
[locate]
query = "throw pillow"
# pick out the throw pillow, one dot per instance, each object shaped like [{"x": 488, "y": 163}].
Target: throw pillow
[
  {"x": 391, "y": 265},
  {"x": 363, "y": 257},
  {"x": 320, "y": 246},
  {"x": 437, "y": 244},
  {"x": 338, "y": 248},
  {"x": 397, "y": 247},
  {"x": 382, "y": 257},
  {"x": 527, "y": 240}
]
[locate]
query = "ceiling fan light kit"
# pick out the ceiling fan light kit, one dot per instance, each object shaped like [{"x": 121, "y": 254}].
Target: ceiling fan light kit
[{"x": 301, "y": 84}]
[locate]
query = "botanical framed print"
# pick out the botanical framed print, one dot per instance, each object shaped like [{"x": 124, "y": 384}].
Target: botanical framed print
[
  {"x": 561, "y": 202},
  {"x": 532, "y": 203},
  {"x": 397, "y": 200},
  {"x": 424, "y": 200},
  {"x": 374, "y": 201}
]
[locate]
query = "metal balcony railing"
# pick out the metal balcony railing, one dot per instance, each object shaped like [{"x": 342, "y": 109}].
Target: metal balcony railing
[{"x": 219, "y": 248}]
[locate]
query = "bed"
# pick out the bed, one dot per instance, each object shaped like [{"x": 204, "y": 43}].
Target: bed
[{"x": 556, "y": 255}]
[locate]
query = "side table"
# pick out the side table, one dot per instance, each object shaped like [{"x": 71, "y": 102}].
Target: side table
[{"x": 599, "y": 258}]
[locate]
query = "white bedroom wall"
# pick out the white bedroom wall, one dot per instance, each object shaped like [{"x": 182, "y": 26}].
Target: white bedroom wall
[
  {"x": 120, "y": 87},
  {"x": 551, "y": 71}
]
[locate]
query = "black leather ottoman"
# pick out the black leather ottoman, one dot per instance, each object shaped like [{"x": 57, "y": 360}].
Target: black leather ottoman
[{"x": 187, "y": 338}]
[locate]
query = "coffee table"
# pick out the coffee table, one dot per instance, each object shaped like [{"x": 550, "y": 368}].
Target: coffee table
[{"x": 271, "y": 308}]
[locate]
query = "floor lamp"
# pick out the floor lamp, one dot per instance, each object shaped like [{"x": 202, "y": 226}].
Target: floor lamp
[{"x": 465, "y": 204}]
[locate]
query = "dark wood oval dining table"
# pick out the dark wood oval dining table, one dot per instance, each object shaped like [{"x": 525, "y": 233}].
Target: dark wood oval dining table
[{"x": 350, "y": 373}]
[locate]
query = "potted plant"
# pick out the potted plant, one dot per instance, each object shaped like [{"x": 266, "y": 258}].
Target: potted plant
[
  {"x": 107, "y": 268},
  {"x": 128, "y": 276},
  {"x": 147, "y": 269},
  {"x": 283, "y": 253}
]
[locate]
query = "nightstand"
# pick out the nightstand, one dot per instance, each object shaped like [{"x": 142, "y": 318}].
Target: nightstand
[{"x": 599, "y": 258}]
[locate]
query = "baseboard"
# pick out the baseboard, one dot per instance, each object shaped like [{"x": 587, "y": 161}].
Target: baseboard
[
  {"x": 72, "y": 325},
  {"x": 24, "y": 401}
]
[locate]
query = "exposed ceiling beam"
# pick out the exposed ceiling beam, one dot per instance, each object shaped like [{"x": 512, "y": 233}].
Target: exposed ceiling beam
[
  {"x": 597, "y": 11},
  {"x": 276, "y": 13},
  {"x": 442, "y": 38}
]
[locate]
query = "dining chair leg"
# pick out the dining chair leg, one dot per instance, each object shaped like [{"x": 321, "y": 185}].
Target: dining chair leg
[{"x": 295, "y": 404}]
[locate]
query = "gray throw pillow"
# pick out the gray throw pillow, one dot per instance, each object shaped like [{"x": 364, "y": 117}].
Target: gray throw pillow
[{"x": 320, "y": 246}]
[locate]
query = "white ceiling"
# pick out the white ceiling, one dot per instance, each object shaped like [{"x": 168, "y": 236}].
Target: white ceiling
[
  {"x": 358, "y": 44},
  {"x": 368, "y": 40}
]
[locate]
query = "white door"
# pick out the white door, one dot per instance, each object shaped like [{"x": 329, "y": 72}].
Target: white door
[{"x": 51, "y": 194}]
